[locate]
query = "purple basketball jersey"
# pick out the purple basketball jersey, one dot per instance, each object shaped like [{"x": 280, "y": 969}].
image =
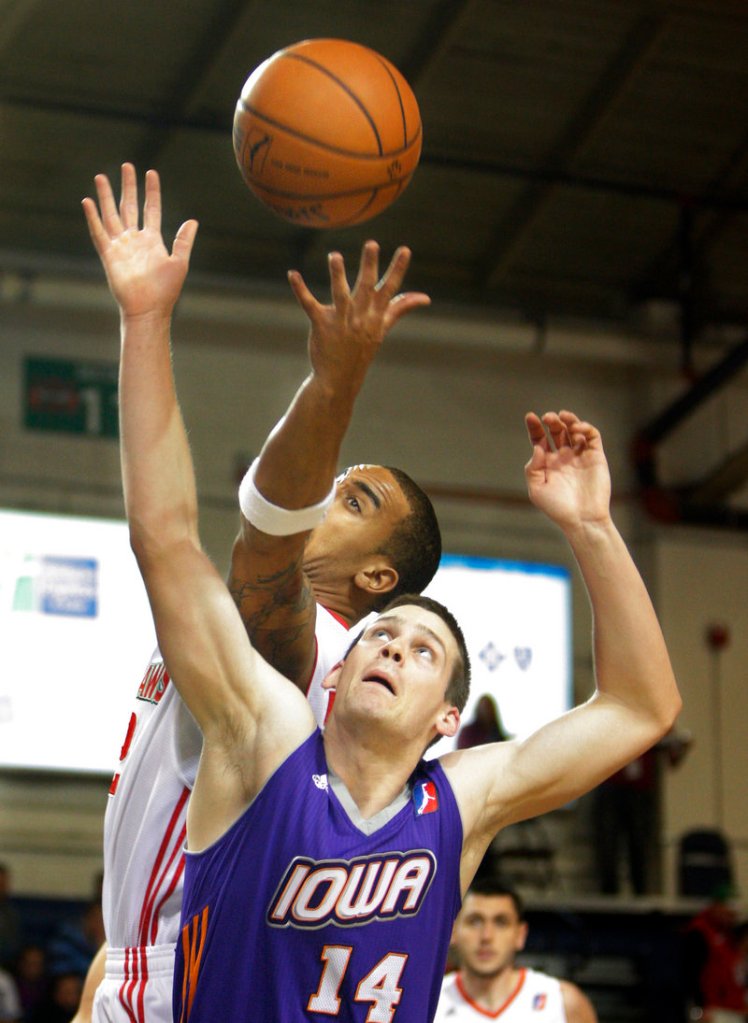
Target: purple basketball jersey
[{"x": 296, "y": 915}]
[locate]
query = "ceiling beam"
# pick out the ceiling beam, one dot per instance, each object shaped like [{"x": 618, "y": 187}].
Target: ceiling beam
[
  {"x": 708, "y": 224},
  {"x": 15, "y": 14},
  {"x": 189, "y": 82},
  {"x": 444, "y": 24},
  {"x": 494, "y": 264},
  {"x": 166, "y": 121}
]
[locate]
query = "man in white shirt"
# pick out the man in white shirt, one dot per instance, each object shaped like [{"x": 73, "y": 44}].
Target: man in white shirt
[{"x": 488, "y": 933}]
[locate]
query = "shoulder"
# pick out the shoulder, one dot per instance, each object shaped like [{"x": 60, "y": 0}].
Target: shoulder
[
  {"x": 449, "y": 982},
  {"x": 451, "y": 1005},
  {"x": 578, "y": 1007},
  {"x": 333, "y": 635},
  {"x": 536, "y": 980}
]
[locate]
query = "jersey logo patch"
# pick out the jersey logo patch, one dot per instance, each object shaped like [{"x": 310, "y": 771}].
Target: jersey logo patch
[
  {"x": 320, "y": 780},
  {"x": 538, "y": 1002},
  {"x": 425, "y": 798},
  {"x": 349, "y": 893},
  {"x": 154, "y": 684}
]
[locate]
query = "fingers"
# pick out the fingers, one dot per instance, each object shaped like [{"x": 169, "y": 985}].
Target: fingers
[
  {"x": 115, "y": 220},
  {"x": 579, "y": 432},
  {"x": 536, "y": 431},
  {"x": 128, "y": 204},
  {"x": 402, "y": 304},
  {"x": 540, "y": 446},
  {"x": 184, "y": 240},
  {"x": 152, "y": 205},
  {"x": 302, "y": 294},
  {"x": 369, "y": 295},
  {"x": 368, "y": 268},
  {"x": 562, "y": 429},
  {"x": 339, "y": 289},
  {"x": 395, "y": 273},
  {"x": 99, "y": 236},
  {"x": 109, "y": 214},
  {"x": 556, "y": 430}
]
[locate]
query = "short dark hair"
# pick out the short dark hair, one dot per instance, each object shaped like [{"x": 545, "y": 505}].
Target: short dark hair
[
  {"x": 496, "y": 887},
  {"x": 458, "y": 687},
  {"x": 415, "y": 545}
]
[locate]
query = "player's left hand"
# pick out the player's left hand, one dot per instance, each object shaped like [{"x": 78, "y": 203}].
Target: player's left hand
[
  {"x": 144, "y": 278},
  {"x": 346, "y": 334},
  {"x": 567, "y": 475}
]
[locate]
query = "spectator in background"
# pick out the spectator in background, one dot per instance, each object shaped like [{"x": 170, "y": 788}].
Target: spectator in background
[
  {"x": 10, "y": 1004},
  {"x": 76, "y": 942},
  {"x": 32, "y": 980},
  {"x": 626, "y": 810},
  {"x": 714, "y": 962},
  {"x": 741, "y": 941},
  {"x": 489, "y": 932},
  {"x": 62, "y": 1000},
  {"x": 485, "y": 725},
  {"x": 10, "y": 921}
]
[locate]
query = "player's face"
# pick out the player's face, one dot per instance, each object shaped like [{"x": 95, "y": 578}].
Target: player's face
[
  {"x": 398, "y": 672},
  {"x": 488, "y": 934},
  {"x": 368, "y": 505}
]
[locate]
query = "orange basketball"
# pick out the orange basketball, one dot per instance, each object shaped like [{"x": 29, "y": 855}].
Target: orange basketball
[{"x": 327, "y": 133}]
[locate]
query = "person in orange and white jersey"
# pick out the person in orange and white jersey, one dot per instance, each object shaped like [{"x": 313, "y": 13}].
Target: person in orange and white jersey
[{"x": 489, "y": 932}]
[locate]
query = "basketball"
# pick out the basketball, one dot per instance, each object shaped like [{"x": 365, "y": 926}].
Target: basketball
[{"x": 327, "y": 133}]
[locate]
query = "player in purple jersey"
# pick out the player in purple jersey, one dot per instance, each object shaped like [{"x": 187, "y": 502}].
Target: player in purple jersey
[
  {"x": 297, "y": 592},
  {"x": 344, "y": 877}
]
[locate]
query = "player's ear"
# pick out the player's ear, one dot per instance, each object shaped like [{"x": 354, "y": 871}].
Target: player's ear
[
  {"x": 377, "y": 577},
  {"x": 449, "y": 722},
  {"x": 330, "y": 681},
  {"x": 521, "y": 937}
]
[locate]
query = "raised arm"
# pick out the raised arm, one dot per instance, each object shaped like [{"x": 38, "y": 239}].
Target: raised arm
[
  {"x": 275, "y": 595},
  {"x": 636, "y": 698},
  {"x": 226, "y": 685}
]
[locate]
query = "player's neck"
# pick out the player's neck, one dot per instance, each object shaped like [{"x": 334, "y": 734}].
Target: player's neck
[
  {"x": 329, "y": 595},
  {"x": 372, "y": 776},
  {"x": 491, "y": 993}
]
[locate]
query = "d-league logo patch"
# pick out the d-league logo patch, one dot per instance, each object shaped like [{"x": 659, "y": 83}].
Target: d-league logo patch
[
  {"x": 426, "y": 798},
  {"x": 538, "y": 1001}
]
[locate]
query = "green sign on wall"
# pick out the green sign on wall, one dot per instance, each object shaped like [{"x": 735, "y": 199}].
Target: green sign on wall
[{"x": 71, "y": 396}]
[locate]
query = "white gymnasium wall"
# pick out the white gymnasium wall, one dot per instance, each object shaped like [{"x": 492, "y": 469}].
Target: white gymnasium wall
[
  {"x": 450, "y": 414},
  {"x": 703, "y": 581}
]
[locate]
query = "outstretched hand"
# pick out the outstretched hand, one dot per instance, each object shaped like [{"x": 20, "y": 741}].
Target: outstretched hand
[
  {"x": 346, "y": 335},
  {"x": 567, "y": 475},
  {"x": 144, "y": 278}
]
